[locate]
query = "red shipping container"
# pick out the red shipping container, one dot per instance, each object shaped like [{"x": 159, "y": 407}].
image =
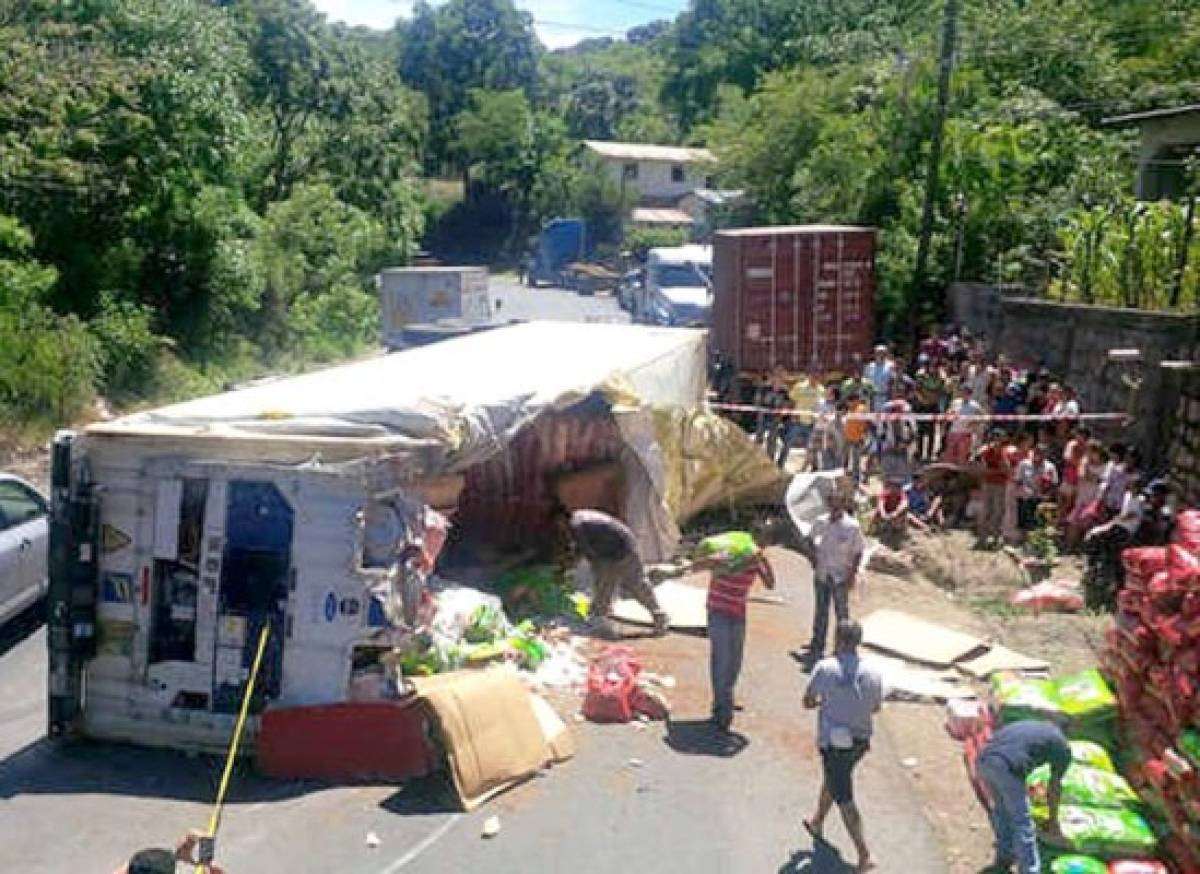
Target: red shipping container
[{"x": 799, "y": 296}]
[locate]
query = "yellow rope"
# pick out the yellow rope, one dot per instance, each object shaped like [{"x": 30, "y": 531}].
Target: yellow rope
[{"x": 214, "y": 821}]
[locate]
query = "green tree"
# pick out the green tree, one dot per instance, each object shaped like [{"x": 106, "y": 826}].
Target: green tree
[{"x": 462, "y": 46}]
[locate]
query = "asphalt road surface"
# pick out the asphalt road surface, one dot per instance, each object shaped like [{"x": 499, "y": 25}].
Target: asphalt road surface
[
  {"x": 660, "y": 799},
  {"x": 510, "y": 300}
]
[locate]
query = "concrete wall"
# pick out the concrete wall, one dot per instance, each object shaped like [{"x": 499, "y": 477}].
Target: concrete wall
[
  {"x": 654, "y": 178},
  {"x": 1177, "y": 447},
  {"x": 1073, "y": 340},
  {"x": 976, "y": 305}
]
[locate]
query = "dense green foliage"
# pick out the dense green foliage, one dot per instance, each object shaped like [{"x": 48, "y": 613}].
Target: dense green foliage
[
  {"x": 189, "y": 193},
  {"x": 823, "y": 112},
  {"x": 191, "y": 190}
]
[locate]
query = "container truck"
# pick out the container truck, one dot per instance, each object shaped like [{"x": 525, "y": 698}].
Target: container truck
[
  {"x": 802, "y": 297},
  {"x": 562, "y": 242}
]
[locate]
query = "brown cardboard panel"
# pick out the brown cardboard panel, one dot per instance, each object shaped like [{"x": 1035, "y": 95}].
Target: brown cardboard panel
[{"x": 488, "y": 727}]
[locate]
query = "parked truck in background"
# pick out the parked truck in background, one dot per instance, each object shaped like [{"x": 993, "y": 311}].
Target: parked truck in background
[
  {"x": 676, "y": 289},
  {"x": 415, "y": 302},
  {"x": 802, "y": 297},
  {"x": 561, "y": 243}
]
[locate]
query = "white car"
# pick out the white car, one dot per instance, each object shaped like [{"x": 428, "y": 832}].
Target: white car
[{"x": 24, "y": 542}]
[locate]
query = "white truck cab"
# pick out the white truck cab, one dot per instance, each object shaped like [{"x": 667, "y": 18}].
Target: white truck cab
[{"x": 677, "y": 290}]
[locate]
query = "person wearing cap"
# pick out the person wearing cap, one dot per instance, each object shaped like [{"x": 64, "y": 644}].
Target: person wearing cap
[{"x": 848, "y": 693}]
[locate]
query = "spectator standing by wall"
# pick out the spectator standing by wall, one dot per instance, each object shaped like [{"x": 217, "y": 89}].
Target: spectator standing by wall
[
  {"x": 880, "y": 372},
  {"x": 855, "y": 436},
  {"x": 930, "y": 392},
  {"x": 826, "y": 448},
  {"x": 1073, "y": 457},
  {"x": 1036, "y": 480},
  {"x": 995, "y": 483},
  {"x": 805, "y": 395},
  {"x": 960, "y": 440}
]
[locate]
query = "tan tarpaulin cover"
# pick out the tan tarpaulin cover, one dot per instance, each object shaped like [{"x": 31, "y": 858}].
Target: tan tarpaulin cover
[
  {"x": 710, "y": 462},
  {"x": 916, "y": 639},
  {"x": 489, "y": 729}
]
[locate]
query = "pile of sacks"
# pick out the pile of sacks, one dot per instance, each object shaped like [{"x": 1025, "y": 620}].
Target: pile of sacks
[
  {"x": 1153, "y": 656},
  {"x": 1104, "y": 827}
]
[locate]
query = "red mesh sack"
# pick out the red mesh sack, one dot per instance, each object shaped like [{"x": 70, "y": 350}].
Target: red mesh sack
[
  {"x": 1187, "y": 530},
  {"x": 1183, "y": 563},
  {"x": 1138, "y": 867},
  {"x": 1144, "y": 562},
  {"x": 611, "y": 684}
]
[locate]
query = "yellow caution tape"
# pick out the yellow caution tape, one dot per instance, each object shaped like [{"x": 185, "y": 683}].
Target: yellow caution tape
[{"x": 214, "y": 821}]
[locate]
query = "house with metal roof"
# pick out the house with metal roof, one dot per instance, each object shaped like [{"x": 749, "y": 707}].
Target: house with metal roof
[
  {"x": 674, "y": 185},
  {"x": 1170, "y": 139},
  {"x": 660, "y": 175}
]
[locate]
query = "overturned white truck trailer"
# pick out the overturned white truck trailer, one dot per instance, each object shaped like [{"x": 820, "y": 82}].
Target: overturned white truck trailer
[{"x": 179, "y": 533}]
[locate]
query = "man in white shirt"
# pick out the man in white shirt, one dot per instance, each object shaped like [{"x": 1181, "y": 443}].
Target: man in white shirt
[
  {"x": 838, "y": 548},
  {"x": 880, "y": 372}
]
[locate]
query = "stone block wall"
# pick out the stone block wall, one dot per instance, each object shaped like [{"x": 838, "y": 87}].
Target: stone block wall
[
  {"x": 1179, "y": 431},
  {"x": 1073, "y": 341},
  {"x": 977, "y": 306}
]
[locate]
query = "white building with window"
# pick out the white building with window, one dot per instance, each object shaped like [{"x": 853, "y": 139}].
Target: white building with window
[{"x": 661, "y": 175}]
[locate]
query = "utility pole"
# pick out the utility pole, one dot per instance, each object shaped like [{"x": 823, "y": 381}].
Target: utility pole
[{"x": 945, "y": 70}]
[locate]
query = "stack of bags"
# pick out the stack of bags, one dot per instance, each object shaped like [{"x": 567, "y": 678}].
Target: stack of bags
[
  {"x": 1101, "y": 817},
  {"x": 1153, "y": 656}
]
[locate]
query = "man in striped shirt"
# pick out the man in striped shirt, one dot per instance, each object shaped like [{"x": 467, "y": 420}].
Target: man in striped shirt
[{"x": 736, "y": 562}]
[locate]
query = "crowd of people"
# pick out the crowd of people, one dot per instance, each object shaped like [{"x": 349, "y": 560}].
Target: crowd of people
[{"x": 956, "y": 436}]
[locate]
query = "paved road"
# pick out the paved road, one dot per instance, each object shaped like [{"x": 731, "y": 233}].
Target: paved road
[
  {"x": 511, "y": 300},
  {"x": 685, "y": 806}
]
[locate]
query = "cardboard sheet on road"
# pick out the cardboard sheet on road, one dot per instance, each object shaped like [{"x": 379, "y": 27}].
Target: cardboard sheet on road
[
  {"x": 1000, "y": 658},
  {"x": 905, "y": 682},
  {"x": 490, "y": 730},
  {"x": 917, "y": 640},
  {"x": 686, "y": 607}
]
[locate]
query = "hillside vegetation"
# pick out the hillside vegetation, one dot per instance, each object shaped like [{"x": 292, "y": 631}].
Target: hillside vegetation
[{"x": 192, "y": 191}]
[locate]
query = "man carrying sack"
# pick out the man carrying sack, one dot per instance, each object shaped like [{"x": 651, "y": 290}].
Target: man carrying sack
[{"x": 736, "y": 563}]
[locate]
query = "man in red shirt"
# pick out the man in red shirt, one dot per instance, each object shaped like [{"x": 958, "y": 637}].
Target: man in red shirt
[
  {"x": 736, "y": 562},
  {"x": 996, "y": 474}
]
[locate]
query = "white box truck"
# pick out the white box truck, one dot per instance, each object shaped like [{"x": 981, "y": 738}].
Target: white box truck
[{"x": 431, "y": 296}]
